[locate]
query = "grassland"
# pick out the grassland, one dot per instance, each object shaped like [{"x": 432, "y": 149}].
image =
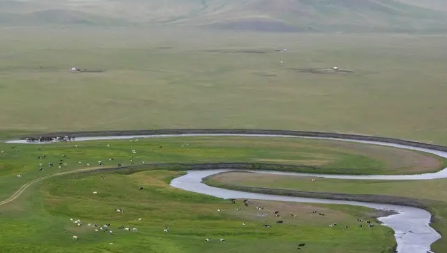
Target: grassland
[
  {"x": 155, "y": 80},
  {"x": 39, "y": 219},
  {"x": 183, "y": 78},
  {"x": 430, "y": 193},
  {"x": 314, "y": 156}
]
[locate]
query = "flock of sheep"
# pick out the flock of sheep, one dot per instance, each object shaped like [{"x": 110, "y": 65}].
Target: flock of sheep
[{"x": 106, "y": 227}]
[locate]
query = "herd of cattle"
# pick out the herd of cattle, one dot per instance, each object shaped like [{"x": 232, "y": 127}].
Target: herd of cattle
[{"x": 50, "y": 139}]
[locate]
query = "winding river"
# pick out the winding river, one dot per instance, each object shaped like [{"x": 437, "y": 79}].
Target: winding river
[{"x": 411, "y": 225}]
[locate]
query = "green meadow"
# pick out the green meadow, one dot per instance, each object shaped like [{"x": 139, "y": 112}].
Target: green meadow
[{"x": 38, "y": 217}]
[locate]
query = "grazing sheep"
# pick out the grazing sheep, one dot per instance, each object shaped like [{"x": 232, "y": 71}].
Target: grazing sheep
[
  {"x": 134, "y": 229},
  {"x": 222, "y": 240},
  {"x": 243, "y": 223},
  {"x": 267, "y": 226},
  {"x": 207, "y": 239},
  {"x": 293, "y": 215},
  {"x": 75, "y": 237},
  {"x": 218, "y": 210},
  {"x": 95, "y": 192}
]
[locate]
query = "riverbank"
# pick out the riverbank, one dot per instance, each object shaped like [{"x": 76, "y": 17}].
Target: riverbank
[{"x": 408, "y": 241}]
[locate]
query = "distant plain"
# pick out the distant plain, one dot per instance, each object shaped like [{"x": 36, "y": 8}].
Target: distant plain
[{"x": 169, "y": 78}]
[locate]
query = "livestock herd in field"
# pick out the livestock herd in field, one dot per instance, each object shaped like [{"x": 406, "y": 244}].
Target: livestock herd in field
[
  {"x": 50, "y": 139},
  {"x": 106, "y": 228}
]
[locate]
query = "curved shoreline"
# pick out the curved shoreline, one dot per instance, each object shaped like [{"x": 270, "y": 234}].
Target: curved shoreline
[
  {"x": 408, "y": 218},
  {"x": 264, "y": 132}
]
